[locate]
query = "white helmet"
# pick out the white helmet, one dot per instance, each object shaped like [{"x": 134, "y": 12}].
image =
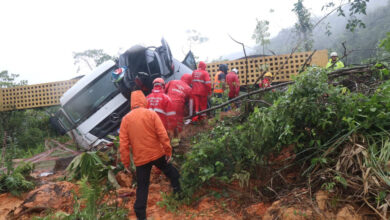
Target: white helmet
[
  {"x": 333, "y": 54},
  {"x": 235, "y": 70}
]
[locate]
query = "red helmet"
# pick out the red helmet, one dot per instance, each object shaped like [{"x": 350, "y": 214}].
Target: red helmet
[{"x": 158, "y": 80}]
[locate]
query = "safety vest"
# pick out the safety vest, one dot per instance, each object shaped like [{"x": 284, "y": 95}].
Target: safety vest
[
  {"x": 337, "y": 65},
  {"x": 217, "y": 83}
]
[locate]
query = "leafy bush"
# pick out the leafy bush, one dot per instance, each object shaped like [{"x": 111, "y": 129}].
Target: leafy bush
[
  {"x": 312, "y": 115},
  {"x": 93, "y": 166},
  {"x": 15, "y": 182}
]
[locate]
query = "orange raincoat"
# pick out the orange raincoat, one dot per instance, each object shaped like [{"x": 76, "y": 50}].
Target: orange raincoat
[{"x": 143, "y": 131}]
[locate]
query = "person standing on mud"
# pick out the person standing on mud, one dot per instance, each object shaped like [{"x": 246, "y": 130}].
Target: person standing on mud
[{"x": 143, "y": 132}]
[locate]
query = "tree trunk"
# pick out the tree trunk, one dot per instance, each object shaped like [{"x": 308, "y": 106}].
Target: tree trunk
[{"x": 4, "y": 147}]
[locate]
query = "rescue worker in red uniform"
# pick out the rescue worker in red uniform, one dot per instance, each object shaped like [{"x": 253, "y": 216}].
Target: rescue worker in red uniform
[
  {"x": 187, "y": 78},
  {"x": 266, "y": 81},
  {"x": 179, "y": 92},
  {"x": 201, "y": 88},
  {"x": 233, "y": 83},
  {"x": 159, "y": 102}
]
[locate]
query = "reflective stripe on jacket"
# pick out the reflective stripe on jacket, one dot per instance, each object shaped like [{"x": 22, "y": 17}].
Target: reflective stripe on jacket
[
  {"x": 178, "y": 91},
  {"x": 159, "y": 102},
  {"x": 201, "y": 84}
]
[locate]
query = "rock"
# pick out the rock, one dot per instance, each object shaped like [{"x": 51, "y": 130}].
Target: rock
[
  {"x": 293, "y": 213},
  {"x": 8, "y": 202},
  {"x": 56, "y": 196},
  {"x": 278, "y": 211},
  {"x": 258, "y": 209},
  {"x": 124, "y": 179},
  {"x": 62, "y": 163},
  {"x": 322, "y": 198},
  {"x": 348, "y": 213}
]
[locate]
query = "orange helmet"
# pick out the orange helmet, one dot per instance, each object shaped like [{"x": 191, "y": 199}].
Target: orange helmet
[{"x": 158, "y": 81}]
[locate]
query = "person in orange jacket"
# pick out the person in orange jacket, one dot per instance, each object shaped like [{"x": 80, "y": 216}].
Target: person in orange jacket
[
  {"x": 219, "y": 80},
  {"x": 143, "y": 132},
  {"x": 201, "y": 88},
  {"x": 160, "y": 102}
]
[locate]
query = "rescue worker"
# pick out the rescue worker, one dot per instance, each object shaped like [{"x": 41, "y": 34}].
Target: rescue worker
[
  {"x": 266, "y": 82},
  {"x": 159, "y": 102},
  {"x": 179, "y": 91},
  {"x": 143, "y": 132},
  {"x": 219, "y": 80},
  {"x": 334, "y": 62},
  {"x": 233, "y": 83},
  {"x": 187, "y": 78},
  {"x": 201, "y": 88}
]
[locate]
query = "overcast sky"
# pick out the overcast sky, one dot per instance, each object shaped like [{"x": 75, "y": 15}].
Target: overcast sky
[{"x": 38, "y": 37}]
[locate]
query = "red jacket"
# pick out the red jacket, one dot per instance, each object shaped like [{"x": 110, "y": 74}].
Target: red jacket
[
  {"x": 178, "y": 90},
  {"x": 159, "y": 102},
  {"x": 187, "y": 78},
  {"x": 233, "y": 83},
  {"x": 142, "y": 130},
  {"x": 201, "y": 84},
  {"x": 265, "y": 83}
]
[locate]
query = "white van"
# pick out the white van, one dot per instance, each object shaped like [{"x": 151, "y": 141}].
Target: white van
[{"x": 94, "y": 106}]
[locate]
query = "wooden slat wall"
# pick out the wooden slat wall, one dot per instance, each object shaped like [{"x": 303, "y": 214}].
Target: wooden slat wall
[
  {"x": 320, "y": 58},
  {"x": 33, "y": 96}
]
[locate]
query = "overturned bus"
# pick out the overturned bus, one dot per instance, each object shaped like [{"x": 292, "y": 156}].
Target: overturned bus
[{"x": 93, "y": 108}]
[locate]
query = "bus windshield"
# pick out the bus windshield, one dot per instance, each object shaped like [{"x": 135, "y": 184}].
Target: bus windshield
[{"x": 91, "y": 98}]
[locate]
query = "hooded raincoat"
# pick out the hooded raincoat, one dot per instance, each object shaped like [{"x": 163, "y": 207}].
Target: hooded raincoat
[
  {"x": 201, "y": 87},
  {"x": 179, "y": 92},
  {"x": 142, "y": 131}
]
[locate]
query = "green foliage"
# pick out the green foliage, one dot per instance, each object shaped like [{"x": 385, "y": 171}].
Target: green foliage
[
  {"x": 357, "y": 7},
  {"x": 169, "y": 202},
  {"x": 91, "y": 165},
  {"x": 311, "y": 115},
  {"x": 385, "y": 43},
  {"x": 304, "y": 26},
  {"x": 261, "y": 33},
  {"x": 14, "y": 181},
  {"x": 23, "y": 131}
]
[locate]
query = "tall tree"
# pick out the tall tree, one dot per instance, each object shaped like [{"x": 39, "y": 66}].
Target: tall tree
[
  {"x": 261, "y": 34},
  {"x": 304, "y": 26},
  {"x": 91, "y": 58},
  {"x": 8, "y": 80}
]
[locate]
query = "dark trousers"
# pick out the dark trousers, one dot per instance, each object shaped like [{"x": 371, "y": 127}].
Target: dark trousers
[{"x": 143, "y": 180}]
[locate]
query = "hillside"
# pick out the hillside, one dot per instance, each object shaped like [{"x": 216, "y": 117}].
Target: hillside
[{"x": 361, "y": 44}]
